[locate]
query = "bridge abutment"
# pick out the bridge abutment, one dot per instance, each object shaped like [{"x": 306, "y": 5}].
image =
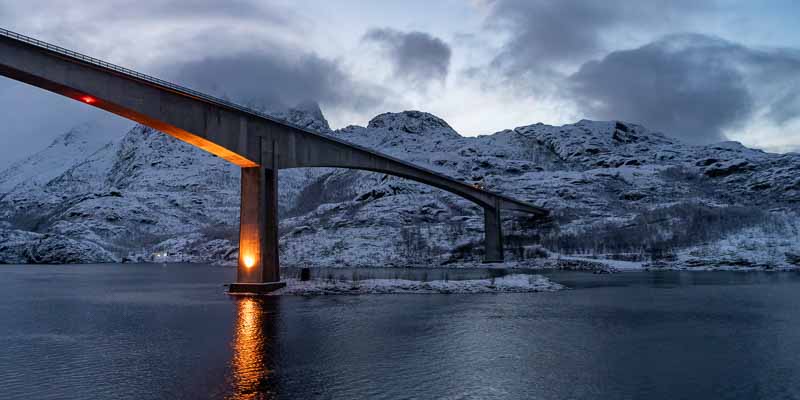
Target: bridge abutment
[{"x": 493, "y": 235}]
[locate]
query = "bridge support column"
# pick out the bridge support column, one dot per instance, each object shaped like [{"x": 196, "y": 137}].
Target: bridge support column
[
  {"x": 493, "y": 235},
  {"x": 258, "y": 271}
]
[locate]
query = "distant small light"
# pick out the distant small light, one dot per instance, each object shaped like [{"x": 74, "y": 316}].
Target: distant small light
[
  {"x": 88, "y": 99},
  {"x": 249, "y": 261}
]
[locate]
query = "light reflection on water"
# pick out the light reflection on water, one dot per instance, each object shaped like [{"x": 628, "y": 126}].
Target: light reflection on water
[{"x": 252, "y": 363}]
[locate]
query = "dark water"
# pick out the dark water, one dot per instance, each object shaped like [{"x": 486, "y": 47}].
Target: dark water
[{"x": 153, "y": 332}]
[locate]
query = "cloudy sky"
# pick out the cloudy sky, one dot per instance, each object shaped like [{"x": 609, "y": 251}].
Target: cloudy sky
[{"x": 700, "y": 70}]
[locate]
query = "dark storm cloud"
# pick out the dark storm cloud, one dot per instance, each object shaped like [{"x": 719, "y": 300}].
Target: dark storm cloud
[
  {"x": 417, "y": 57},
  {"x": 786, "y": 108},
  {"x": 543, "y": 35},
  {"x": 278, "y": 79},
  {"x": 691, "y": 86},
  {"x": 777, "y": 73}
]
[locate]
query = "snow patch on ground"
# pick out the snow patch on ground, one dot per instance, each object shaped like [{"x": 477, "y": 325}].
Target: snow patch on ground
[
  {"x": 758, "y": 248},
  {"x": 615, "y": 265}
]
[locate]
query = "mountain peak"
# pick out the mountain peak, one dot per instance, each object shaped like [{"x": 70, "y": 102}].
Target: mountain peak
[
  {"x": 311, "y": 108},
  {"x": 414, "y": 122},
  {"x": 309, "y": 115}
]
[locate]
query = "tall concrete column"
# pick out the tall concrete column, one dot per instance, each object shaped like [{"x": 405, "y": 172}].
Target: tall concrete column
[
  {"x": 493, "y": 235},
  {"x": 271, "y": 260},
  {"x": 258, "y": 269},
  {"x": 252, "y": 224}
]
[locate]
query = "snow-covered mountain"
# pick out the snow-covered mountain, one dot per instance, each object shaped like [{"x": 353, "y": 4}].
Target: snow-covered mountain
[{"x": 617, "y": 191}]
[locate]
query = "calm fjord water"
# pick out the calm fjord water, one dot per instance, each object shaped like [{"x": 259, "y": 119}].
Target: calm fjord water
[{"x": 154, "y": 332}]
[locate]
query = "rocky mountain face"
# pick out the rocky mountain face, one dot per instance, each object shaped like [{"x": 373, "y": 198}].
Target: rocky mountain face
[{"x": 617, "y": 191}]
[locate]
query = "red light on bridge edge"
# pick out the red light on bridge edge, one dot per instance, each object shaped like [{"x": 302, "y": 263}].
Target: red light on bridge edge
[{"x": 88, "y": 99}]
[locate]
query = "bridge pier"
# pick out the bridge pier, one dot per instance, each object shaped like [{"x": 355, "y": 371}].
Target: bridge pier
[
  {"x": 258, "y": 270},
  {"x": 493, "y": 235}
]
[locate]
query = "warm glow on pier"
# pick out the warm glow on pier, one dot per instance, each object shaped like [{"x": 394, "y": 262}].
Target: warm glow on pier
[{"x": 249, "y": 261}]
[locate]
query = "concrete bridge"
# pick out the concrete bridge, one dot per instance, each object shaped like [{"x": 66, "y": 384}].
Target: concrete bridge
[{"x": 259, "y": 144}]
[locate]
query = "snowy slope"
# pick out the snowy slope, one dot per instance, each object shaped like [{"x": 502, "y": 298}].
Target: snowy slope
[
  {"x": 617, "y": 190},
  {"x": 65, "y": 151}
]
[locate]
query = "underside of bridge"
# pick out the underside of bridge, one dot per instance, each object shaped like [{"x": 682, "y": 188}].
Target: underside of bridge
[{"x": 257, "y": 143}]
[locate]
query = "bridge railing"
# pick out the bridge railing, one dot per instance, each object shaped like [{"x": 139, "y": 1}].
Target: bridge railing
[{"x": 217, "y": 101}]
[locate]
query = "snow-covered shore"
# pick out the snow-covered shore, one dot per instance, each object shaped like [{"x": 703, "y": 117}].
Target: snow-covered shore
[
  {"x": 685, "y": 261},
  {"x": 516, "y": 283},
  {"x": 719, "y": 266}
]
